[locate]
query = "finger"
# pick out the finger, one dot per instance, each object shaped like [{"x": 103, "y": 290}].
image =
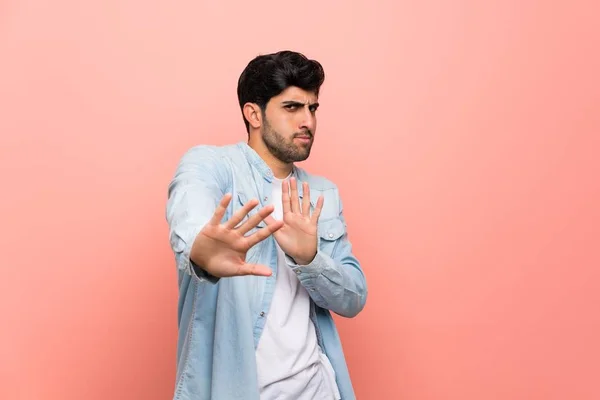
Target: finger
[
  {"x": 239, "y": 215},
  {"x": 295, "y": 203},
  {"x": 270, "y": 220},
  {"x": 255, "y": 219},
  {"x": 263, "y": 233},
  {"x": 285, "y": 197},
  {"x": 220, "y": 210},
  {"x": 317, "y": 211},
  {"x": 305, "y": 199},
  {"x": 255, "y": 269}
]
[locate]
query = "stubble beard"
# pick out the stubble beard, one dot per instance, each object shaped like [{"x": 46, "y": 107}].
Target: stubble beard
[{"x": 284, "y": 150}]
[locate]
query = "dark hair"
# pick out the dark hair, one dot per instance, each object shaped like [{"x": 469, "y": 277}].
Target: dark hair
[{"x": 268, "y": 75}]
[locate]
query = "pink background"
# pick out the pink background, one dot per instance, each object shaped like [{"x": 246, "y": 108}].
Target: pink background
[{"x": 463, "y": 135}]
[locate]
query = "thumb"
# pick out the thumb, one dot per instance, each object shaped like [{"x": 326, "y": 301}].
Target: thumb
[
  {"x": 275, "y": 224},
  {"x": 255, "y": 269},
  {"x": 270, "y": 220}
]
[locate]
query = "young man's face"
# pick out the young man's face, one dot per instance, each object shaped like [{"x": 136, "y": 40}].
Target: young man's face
[{"x": 289, "y": 124}]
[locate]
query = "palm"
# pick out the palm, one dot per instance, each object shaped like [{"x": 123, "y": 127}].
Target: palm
[
  {"x": 294, "y": 239},
  {"x": 221, "y": 248},
  {"x": 298, "y": 236},
  {"x": 228, "y": 251}
]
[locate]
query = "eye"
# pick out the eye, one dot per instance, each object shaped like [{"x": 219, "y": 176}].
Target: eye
[
  {"x": 291, "y": 107},
  {"x": 313, "y": 109}
]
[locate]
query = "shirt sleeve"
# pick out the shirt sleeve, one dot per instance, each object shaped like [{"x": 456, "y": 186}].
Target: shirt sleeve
[
  {"x": 194, "y": 192},
  {"x": 335, "y": 282}
]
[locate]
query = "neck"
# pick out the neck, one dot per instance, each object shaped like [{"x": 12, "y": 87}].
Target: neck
[{"x": 280, "y": 169}]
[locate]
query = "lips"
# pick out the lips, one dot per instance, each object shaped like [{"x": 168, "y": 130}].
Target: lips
[
  {"x": 304, "y": 140},
  {"x": 305, "y": 136}
]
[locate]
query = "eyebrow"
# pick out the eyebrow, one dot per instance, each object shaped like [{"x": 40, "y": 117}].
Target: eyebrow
[{"x": 298, "y": 103}]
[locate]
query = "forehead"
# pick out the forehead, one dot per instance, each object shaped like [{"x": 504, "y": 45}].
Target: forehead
[{"x": 294, "y": 93}]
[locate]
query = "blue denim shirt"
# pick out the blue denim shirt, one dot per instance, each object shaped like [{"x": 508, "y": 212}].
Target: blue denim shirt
[{"x": 221, "y": 320}]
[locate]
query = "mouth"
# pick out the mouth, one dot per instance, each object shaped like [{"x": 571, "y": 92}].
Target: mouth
[{"x": 304, "y": 139}]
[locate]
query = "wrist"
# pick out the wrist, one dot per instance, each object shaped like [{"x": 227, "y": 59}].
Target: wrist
[{"x": 304, "y": 260}]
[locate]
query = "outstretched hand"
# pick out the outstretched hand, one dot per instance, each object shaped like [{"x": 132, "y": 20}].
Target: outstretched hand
[
  {"x": 298, "y": 236},
  {"x": 220, "y": 248}
]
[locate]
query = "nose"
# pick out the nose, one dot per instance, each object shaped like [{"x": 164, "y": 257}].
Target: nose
[{"x": 308, "y": 120}]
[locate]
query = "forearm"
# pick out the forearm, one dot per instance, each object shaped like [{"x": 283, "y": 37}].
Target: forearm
[
  {"x": 185, "y": 226},
  {"x": 338, "y": 285},
  {"x": 197, "y": 258},
  {"x": 193, "y": 194}
]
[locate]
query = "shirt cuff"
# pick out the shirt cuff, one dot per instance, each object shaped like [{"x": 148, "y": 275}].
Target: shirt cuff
[
  {"x": 311, "y": 270},
  {"x": 201, "y": 274}
]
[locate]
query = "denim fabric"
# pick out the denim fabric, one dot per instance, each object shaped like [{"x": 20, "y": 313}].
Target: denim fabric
[{"x": 220, "y": 320}]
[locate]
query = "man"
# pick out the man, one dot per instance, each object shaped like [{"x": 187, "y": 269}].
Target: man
[{"x": 262, "y": 251}]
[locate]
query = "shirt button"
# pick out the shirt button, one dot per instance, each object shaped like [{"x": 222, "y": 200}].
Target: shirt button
[
  {"x": 331, "y": 235},
  {"x": 262, "y": 314},
  {"x": 298, "y": 271},
  {"x": 265, "y": 199}
]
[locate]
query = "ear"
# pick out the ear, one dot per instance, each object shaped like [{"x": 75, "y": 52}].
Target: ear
[{"x": 253, "y": 115}]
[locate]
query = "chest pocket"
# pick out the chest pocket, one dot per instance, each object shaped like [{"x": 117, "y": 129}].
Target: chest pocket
[
  {"x": 242, "y": 199},
  {"x": 330, "y": 232}
]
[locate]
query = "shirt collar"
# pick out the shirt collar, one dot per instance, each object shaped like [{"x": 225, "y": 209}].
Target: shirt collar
[{"x": 260, "y": 164}]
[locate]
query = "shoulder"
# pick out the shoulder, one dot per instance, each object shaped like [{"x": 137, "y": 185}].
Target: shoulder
[
  {"x": 205, "y": 161},
  {"x": 210, "y": 157},
  {"x": 208, "y": 152}
]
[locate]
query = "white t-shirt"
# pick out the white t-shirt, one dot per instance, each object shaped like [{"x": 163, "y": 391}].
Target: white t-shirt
[{"x": 289, "y": 360}]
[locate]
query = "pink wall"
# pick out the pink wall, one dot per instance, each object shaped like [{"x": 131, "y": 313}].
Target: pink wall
[{"x": 463, "y": 136}]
